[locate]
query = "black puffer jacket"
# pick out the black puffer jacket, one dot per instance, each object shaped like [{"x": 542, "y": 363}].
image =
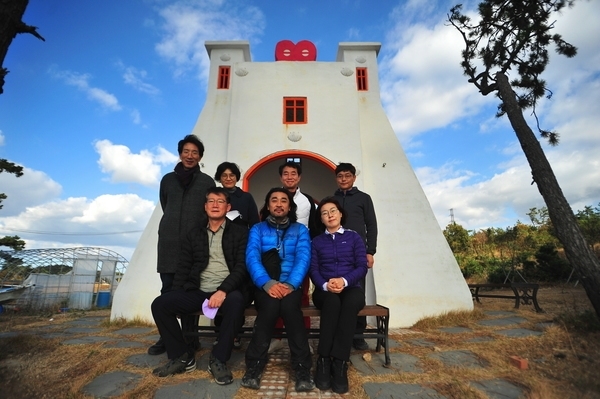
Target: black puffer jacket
[{"x": 194, "y": 259}]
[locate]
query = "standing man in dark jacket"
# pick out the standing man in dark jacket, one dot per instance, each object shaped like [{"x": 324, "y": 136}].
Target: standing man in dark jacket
[
  {"x": 360, "y": 218},
  {"x": 182, "y": 193},
  {"x": 212, "y": 267}
]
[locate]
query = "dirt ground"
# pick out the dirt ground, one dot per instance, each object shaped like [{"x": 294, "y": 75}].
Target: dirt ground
[{"x": 563, "y": 362}]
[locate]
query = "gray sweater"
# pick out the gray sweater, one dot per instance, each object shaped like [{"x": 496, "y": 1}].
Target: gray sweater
[{"x": 183, "y": 209}]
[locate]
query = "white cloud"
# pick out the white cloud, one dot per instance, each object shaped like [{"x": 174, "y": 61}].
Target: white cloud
[
  {"x": 187, "y": 25},
  {"x": 109, "y": 221},
  {"x": 353, "y": 34},
  {"x": 31, "y": 189},
  {"x": 125, "y": 167},
  {"x": 495, "y": 202},
  {"x": 136, "y": 78},
  {"x": 135, "y": 116},
  {"x": 81, "y": 81},
  {"x": 423, "y": 70},
  {"x": 1, "y": 138},
  {"x": 422, "y": 85}
]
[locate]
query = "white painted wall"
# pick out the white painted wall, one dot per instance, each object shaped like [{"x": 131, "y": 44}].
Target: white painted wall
[{"x": 415, "y": 272}]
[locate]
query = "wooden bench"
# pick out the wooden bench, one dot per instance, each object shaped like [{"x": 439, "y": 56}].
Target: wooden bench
[
  {"x": 379, "y": 332},
  {"x": 525, "y": 293}
]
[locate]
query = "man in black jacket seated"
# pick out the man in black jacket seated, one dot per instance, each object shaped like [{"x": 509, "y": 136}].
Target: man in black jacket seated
[{"x": 211, "y": 267}]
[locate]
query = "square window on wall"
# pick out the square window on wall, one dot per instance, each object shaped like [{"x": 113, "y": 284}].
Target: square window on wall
[{"x": 295, "y": 110}]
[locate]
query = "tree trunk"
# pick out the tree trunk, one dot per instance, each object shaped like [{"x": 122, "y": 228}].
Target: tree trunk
[
  {"x": 11, "y": 13},
  {"x": 568, "y": 232}
]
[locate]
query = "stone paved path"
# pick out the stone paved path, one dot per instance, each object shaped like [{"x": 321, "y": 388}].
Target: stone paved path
[{"x": 277, "y": 382}]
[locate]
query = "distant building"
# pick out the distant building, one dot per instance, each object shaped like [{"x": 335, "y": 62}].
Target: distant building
[{"x": 259, "y": 114}]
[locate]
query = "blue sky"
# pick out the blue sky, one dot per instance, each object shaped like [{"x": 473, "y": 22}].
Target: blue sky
[{"x": 94, "y": 112}]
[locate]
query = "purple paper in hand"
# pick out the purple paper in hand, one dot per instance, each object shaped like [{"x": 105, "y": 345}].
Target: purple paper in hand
[{"x": 208, "y": 311}]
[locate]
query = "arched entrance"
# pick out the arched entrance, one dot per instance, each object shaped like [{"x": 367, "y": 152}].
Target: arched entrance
[{"x": 318, "y": 179}]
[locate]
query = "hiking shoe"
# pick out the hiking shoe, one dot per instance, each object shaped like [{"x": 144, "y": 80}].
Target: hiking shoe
[
  {"x": 360, "y": 344},
  {"x": 237, "y": 343},
  {"x": 304, "y": 381},
  {"x": 158, "y": 348},
  {"x": 176, "y": 366},
  {"x": 323, "y": 373},
  {"x": 219, "y": 371},
  {"x": 339, "y": 376},
  {"x": 253, "y": 375}
]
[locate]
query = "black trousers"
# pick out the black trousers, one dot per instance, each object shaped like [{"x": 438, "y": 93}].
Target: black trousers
[
  {"x": 338, "y": 320},
  {"x": 166, "y": 307},
  {"x": 269, "y": 309},
  {"x": 167, "y": 282}
]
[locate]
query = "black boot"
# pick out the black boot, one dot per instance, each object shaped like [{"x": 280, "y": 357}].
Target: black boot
[
  {"x": 339, "y": 376},
  {"x": 304, "y": 381},
  {"x": 254, "y": 372},
  {"x": 323, "y": 373}
]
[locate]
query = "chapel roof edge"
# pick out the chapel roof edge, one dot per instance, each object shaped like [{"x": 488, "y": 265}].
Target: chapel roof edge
[
  {"x": 243, "y": 45},
  {"x": 357, "y": 46}
]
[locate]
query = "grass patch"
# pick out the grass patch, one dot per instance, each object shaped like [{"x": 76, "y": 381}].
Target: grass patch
[
  {"x": 122, "y": 322},
  {"x": 586, "y": 321},
  {"x": 459, "y": 318}
]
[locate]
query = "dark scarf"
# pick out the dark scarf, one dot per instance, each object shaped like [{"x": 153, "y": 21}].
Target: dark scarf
[
  {"x": 279, "y": 226},
  {"x": 184, "y": 175}
]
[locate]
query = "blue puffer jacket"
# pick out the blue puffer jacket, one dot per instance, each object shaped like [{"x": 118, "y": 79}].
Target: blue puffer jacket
[
  {"x": 294, "y": 253},
  {"x": 345, "y": 256}
]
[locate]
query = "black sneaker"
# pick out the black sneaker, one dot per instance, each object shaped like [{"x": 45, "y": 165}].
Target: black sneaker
[
  {"x": 304, "y": 381},
  {"x": 219, "y": 371},
  {"x": 323, "y": 373},
  {"x": 253, "y": 375},
  {"x": 360, "y": 344},
  {"x": 176, "y": 366},
  {"x": 158, "y": 348},
  {"x": 339, "y": 376}
]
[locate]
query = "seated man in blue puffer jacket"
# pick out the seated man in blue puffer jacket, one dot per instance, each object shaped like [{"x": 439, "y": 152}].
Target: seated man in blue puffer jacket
[{"x": 278, "y": 286}]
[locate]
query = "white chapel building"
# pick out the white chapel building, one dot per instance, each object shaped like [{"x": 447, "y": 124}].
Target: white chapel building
[{"x": 260, "y": 114}]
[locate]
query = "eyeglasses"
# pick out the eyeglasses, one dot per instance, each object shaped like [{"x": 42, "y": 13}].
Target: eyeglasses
[
  {"x": 344, "y": 176},
  {"x": 226, "y": 176},
  {"x": 216, "y": 201},
  {"x": 331, "y": 212}
]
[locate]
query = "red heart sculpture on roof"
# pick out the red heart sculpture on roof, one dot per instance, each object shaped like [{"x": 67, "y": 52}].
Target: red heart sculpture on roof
[{"x": 304, "y": 50}]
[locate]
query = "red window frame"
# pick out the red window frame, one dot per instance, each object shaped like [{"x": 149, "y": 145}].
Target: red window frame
[
  {"x": 361, "y": 79},
  {"x": 224, "y": 74},
  {"x": 295, "y": 110}
]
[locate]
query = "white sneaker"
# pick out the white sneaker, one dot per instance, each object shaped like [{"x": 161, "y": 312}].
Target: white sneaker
[{"x": 275, "y": 345}]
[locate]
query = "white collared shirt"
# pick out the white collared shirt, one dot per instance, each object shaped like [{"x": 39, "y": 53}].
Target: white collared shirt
[{"x": 303, "y": 211}]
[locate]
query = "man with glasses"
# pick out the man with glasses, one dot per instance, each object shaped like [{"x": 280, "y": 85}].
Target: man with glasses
[
  {"x": 212, "y": 267},
  {"x": 182, "y": 193},
  {"x": 360, "y": 218}
]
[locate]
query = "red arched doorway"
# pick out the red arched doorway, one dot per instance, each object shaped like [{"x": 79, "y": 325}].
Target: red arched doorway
[{"x": 318, "y": 178}]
